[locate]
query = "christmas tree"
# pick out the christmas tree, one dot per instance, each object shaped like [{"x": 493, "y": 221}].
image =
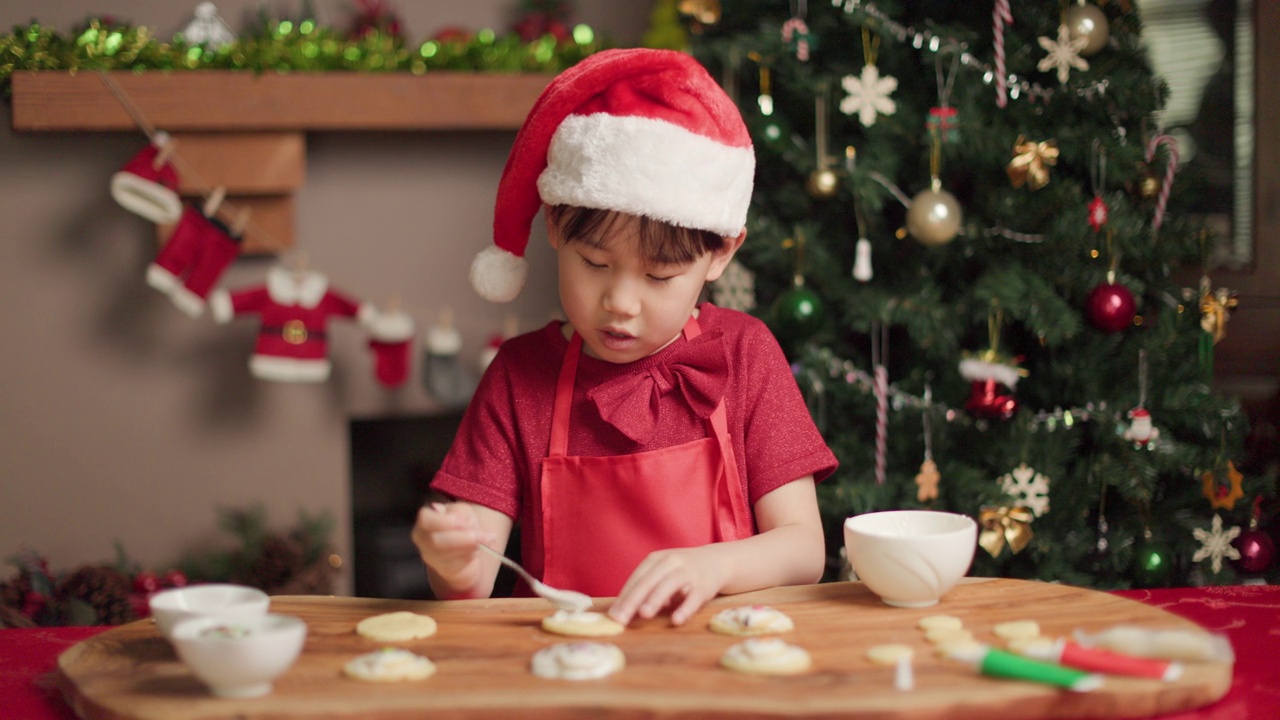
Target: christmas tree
[{"x": 967, "y": 233}]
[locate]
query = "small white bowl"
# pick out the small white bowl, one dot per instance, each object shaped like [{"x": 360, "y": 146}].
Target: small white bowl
[
  {"x": 910, "y": 558},
  {"x": 239, "y": 657},
  {"x": 221, "y": 600}
]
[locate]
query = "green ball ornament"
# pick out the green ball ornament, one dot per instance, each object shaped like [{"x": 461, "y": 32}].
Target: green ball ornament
[
  {"x": 1152, "y": 565},
  {"x": 797, "y": 314},
  {"x": 934, "y": 217}
]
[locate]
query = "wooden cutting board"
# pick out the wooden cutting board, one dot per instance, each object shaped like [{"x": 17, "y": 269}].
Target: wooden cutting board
[{"x": 483, "y": 647}]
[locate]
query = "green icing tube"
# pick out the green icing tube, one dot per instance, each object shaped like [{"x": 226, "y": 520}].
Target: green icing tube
[{"x": 1003, "y": 664}]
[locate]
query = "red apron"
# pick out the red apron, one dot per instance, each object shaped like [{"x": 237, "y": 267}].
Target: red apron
[{"x": 602, "y": 515}]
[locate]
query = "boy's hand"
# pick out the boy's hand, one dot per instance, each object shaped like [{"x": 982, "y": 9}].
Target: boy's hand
[
  {"x": 683, "y": 579},
  {"x": 447, "y": 536}
]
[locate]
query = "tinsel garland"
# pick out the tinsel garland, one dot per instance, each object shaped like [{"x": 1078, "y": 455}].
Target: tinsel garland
[{"x": 285, "y": 46}]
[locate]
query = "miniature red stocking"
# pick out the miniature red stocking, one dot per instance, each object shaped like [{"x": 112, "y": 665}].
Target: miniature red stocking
[
  {"x": 391, "y": 336},
  {"x": 147, "y": 185},
  {"x": 193, "y": 260}
]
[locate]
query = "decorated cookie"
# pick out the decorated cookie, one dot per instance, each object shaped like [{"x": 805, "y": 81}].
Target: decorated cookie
[
  {"x": 580, "y": 660},
  {"x": 751, "y": 620},
  {"x": 389, "y": 665},
  {"x": 940, "y": 622},
  {"x": 942, "y": 634},
  {"x": 1016, "y": 629},
  {"x": 1033, "y": 646},
  {"x": 396, "y": 627},
  {"x": 585, "y": 623},
  {"x": 766, "y": 656},
  {"x": 962, "y": 647},
  {"x": 889, "y": 654}
]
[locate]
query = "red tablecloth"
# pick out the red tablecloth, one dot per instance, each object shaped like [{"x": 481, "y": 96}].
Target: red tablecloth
[{"x": 1249, "y": 615}]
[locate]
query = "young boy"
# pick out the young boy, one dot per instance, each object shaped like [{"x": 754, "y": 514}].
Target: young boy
[{"x": 651, "y": 447}]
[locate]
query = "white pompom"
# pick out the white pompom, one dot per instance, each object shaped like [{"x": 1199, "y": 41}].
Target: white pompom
[{"x": 498, "y": 275}]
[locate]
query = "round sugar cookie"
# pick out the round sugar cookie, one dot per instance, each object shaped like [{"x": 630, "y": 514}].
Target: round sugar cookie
[
  {"x": 766, "y": 656},
  {"x": 401, "y": 626},
  {"x": 580, "y": 660},
  {"x": 945, "y": 634},
  {"x": 1031, "y": 644},
  {"x": 950, "y": 648},
  {"x": 1015, "y": 629},
  {"x": 751, "y": 620},
  {"x": 585, "y": 623},
  {"x": 940, "y": 622},
  {"x": 389, "y": 665},
  {"x": 890, "y": 653}
]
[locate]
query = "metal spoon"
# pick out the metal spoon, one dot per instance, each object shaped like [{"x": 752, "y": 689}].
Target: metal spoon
[{"x": 570, "y": 600}]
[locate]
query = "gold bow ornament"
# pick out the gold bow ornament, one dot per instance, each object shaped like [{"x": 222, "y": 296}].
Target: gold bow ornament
[
  {"x": 1002, "y": 525},
  {"x": 1031, "y": 161},
  {"x": 1215, "y": 310}
]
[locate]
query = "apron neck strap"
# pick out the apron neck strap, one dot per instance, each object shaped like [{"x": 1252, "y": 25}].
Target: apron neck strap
[{"x": 564, "y": 387}]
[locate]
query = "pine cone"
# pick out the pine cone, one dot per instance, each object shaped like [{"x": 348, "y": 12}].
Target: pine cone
[
  {"x": 278, "y": 560},
  {"x": 103, "y": 588}
]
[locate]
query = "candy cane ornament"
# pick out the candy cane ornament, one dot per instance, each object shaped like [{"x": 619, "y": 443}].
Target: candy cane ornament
[
  {"x": 1170, "y": 169},
  {"x": 1001, "y": 15},
  {"x": 796, "y": 28}
]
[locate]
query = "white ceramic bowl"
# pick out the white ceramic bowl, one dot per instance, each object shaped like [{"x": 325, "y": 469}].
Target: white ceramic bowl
[
  {"x": 910, "y": 558},
  {"x": 239, "y": 657},
  {"x": 222, "y": 600}
]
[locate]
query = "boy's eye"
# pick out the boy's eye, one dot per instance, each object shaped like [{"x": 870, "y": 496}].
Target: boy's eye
[
  {"x": 586, "y": 261},
  {"x": 660, "y": 278}
]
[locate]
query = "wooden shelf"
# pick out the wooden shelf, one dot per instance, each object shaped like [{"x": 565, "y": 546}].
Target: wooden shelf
[
  {"x": 246, "y": 132},
  {"x": 229, "y": 101}
]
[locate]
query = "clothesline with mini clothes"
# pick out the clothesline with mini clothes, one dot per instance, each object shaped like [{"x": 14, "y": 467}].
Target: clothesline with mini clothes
[{"x": 295, "y": 303}]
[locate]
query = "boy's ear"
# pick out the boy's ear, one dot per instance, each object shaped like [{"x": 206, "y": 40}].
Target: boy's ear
[{"x": 722, "y": 257}]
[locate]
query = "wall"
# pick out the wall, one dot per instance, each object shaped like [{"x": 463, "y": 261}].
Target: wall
[{"x": 125, "y": 421}]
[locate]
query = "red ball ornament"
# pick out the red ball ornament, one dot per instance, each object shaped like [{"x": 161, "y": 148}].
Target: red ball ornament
[
  {"x": 1111, "y": 307},
  {"x": 988, "y": 399},
  {"x": 175, "y": 578},
  {"x": 1256, "y": 551},
  {"x": 146, "y": 582}
]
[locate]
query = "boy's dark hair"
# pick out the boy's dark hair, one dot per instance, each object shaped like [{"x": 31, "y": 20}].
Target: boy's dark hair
[{"x": 661, "y": 242}]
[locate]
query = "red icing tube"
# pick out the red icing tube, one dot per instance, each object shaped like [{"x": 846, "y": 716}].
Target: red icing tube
[{"x": 1106, "y": 661}]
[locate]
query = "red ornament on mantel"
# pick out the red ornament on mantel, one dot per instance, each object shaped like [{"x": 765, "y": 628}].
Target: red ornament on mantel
[{"x": 1111, "y": 307}]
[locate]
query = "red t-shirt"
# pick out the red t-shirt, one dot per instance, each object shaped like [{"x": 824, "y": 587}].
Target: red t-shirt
[{"x": 496, "y": 458}]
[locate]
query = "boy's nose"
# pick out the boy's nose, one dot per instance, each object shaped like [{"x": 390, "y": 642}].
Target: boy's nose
[{"x": 622, "y": 298}]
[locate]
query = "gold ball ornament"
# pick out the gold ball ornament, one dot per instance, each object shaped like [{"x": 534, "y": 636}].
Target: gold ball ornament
[
  {"x": 823, "y": 183},
  {"x": 934, "y": 217},
  {"x": 1087, "y": 21},
  {"x": 1149, "y": 183}
]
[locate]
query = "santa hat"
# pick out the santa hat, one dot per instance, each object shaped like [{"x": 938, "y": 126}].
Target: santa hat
[
  {"x": 640, "y": 131},
  {"x": 147, "y": 185}
]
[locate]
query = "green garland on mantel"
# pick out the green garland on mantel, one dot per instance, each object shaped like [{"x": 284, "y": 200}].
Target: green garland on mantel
[{"x": 285, "y": 46}]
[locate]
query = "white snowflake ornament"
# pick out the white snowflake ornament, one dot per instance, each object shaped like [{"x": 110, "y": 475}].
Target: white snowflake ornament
[
  {"x": 1028, "y": 487},
  {"x": 736, "y": 288},
  {"x": 1215, "y": 544},
  {"x": 1063, "y": 54},
  {"x": 208, "y": 28},
  {"x": 868, "y": 95}
]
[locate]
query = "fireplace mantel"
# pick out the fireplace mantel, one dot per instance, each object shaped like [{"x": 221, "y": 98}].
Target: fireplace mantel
[{"x": 247, "y": 132}]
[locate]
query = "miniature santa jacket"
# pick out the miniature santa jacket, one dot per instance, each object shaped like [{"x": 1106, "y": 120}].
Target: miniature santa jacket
[{"x": 295, "y": 308}]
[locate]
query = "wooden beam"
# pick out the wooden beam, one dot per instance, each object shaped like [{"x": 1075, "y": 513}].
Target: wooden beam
[
  {"x": 245, "y": 163},
  {"x": 225, "y": 100}
]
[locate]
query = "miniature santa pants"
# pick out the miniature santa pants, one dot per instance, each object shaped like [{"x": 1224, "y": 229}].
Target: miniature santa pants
[{"x": 193, "y": 260}]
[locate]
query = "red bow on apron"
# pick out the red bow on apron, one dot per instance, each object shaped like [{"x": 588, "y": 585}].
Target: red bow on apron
[{"x": 602, "y": 515}]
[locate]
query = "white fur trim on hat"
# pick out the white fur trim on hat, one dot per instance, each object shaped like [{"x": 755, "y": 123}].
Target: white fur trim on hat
[
  {"x": 976, "y": 370},
  {"x": 643, "y": 166},
  {"x": 498, "y": 275},
  {"x": 149, "y": 199}
]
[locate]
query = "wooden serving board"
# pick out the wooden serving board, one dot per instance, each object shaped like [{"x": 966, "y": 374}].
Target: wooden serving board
[{"x": 483, "y": 647}]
